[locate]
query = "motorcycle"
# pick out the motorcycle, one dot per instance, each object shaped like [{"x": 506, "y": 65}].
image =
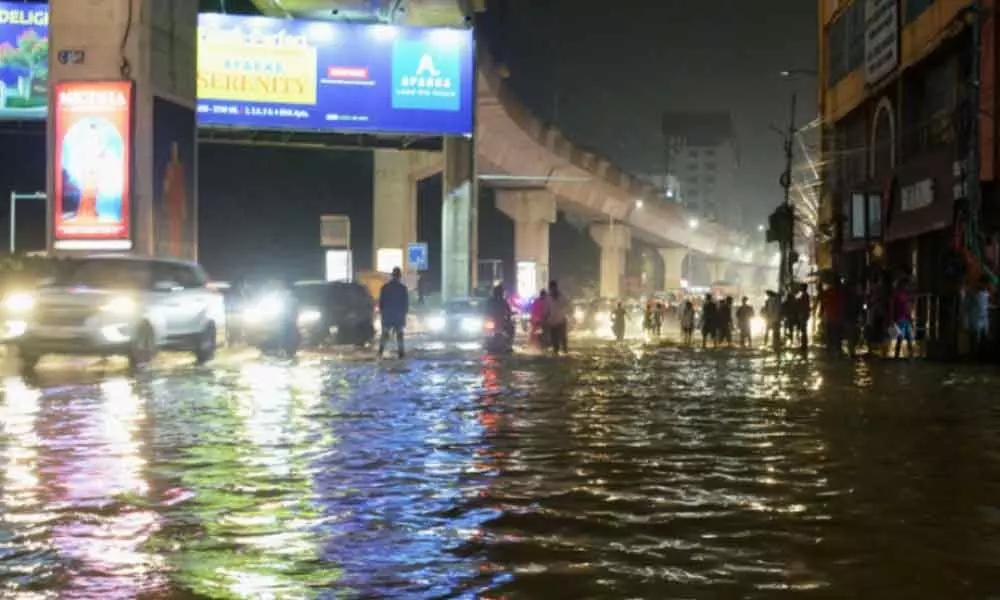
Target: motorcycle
[{"x": 499, "y": 337}]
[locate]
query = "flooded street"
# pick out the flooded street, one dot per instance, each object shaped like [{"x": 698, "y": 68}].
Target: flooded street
[{"x": 639, "y": 472}]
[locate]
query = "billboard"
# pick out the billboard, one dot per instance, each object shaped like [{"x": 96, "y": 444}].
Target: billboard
[
  {"x": 92, "y": 178},
  {"x": 24, "y": 60},
  {"x": 264, "y": 73},
  {"x": 278, "y": 73},
  {"x": 174, "y": 163}
]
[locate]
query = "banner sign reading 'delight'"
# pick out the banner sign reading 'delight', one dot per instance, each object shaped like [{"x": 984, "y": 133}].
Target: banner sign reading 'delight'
[{"x": 264, "y": 73}]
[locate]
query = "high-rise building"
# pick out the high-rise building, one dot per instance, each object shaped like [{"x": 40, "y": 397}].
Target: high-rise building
[{"x": 702, "y": 158}]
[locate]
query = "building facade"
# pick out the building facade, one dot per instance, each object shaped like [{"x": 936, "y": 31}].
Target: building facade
[
  {"x": 901, "y": 116},
  {"x": 701, "y": 163}
]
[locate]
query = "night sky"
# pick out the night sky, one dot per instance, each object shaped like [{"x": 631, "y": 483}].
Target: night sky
[{"x": 604, "y": 76}]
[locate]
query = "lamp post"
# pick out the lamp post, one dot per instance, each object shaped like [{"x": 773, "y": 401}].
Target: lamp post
[{"x": 14, "y": 197}]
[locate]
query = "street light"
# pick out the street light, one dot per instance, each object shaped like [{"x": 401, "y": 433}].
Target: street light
[
  {"x": 761, "y": 228},
  {"x": 14, "y": 197},
  {"x": 693, "y": 223},
  {"x": 638, "y": 203}
]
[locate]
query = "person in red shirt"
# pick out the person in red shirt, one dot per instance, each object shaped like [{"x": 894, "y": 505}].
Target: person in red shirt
[{"x": 831, "y": 305}]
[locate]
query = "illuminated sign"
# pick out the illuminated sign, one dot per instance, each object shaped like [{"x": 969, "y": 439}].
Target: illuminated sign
[
  {"x": 92, "y": 166},
  {"x": 527, "y": 278},
  {"x": 263, "y": 73},
  {"x": 387, "y": 259},
  {"x": 339, "y": 265},
  {"x": 278, "y": 73},
  {"x": 24, "y": 60}
]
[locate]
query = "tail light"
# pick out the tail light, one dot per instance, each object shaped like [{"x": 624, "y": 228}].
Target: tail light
[{"x": 490, "y": 325}]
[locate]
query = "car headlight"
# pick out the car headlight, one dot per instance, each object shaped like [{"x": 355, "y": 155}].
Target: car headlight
[
  {"x": 579, "y": 314},
  {"x": 19, "y": 303},
  {"x": 758, "y": 326},
  {"x": 471, "y": 324},
  {"x": 435, "y": 323},
  {"x": 122, "y": 306},
  {"x": 309, "y": 316},
  {"x": 269, "y": 307},
  {"x": 603, "y": 317}
]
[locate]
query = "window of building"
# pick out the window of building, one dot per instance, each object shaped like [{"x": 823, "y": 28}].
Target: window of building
[
  {"x": 846, "y": 42},
  {"x": 710, "y": 165},
  {"x": 693, "y": 153},
  {"x": 710, "y": 153},
  {"x": 915, "y": 8},
  {"x": 710, "y": 179},
  {"x": 692, "y": 166}
]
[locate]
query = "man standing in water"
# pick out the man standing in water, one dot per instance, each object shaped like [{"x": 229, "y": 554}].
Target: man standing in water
[
  {"x": 393, "y": 306},
  {"x": 709, "y": 321},
  {"x": 558, "y": 318}
]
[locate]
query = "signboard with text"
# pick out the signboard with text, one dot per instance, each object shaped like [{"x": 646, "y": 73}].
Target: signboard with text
[
  {"x": 881, "y": 39},
  {"x": 92, "y": 166},
  {"x": 265, "y": 73}
]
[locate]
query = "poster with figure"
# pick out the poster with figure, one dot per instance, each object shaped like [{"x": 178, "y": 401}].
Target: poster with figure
[
  {"x": 92, "y": 181},
  {"x": 174, "y": 179}
]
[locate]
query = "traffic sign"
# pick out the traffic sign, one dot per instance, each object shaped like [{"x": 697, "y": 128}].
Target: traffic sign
[{"x": 416, "y": 256}]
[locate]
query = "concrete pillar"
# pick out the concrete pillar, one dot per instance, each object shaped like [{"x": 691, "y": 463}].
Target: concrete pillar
[
  {"x": 146, "y": 198},
  {"x": 716, "y": 270},
  {"x": 395, "y": 202},
  {"x": 533, "y": 212},
  {"x": 673, "y": 266},
  {"x": 615, "y": 241},
  {"x": 459, "y": 219}
]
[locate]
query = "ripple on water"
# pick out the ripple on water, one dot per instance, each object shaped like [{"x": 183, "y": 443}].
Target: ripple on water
[{"x": 617, "y": 472}]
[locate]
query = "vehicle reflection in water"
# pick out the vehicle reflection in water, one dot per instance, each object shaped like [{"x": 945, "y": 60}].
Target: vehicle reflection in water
[{"x": 620, "y": 471}]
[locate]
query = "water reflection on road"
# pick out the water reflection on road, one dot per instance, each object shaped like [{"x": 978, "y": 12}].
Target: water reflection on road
[{"x": 634, "y": 471}]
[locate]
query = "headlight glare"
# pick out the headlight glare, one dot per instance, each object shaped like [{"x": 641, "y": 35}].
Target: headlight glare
[{"x": 19, "y": 303}]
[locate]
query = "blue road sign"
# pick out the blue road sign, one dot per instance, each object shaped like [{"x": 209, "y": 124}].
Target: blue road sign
[{"x": 416, "y": 256}]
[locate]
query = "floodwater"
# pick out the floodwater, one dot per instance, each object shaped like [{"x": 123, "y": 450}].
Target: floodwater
[{"x": 634, "y": 472}]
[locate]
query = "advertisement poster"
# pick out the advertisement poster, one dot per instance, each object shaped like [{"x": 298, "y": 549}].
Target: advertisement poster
[
  {"x": 259, "y": 72},
  {"x": 174, "y": 163},
  {"x": 92, "y": 133},
  {"x": 24, "y": 60}
]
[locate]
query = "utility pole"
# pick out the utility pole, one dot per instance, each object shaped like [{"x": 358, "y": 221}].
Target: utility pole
[
  {"x": 787, "y": 243},
  {"x": 973, "y": 167}
]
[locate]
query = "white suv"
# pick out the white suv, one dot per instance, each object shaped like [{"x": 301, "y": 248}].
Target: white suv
[{"x": 130, "y": 306}]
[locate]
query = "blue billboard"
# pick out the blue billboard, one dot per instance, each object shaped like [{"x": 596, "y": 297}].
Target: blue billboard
[
  {"x": 263, "y": 73},
  {"x": 24, "y": 60}
]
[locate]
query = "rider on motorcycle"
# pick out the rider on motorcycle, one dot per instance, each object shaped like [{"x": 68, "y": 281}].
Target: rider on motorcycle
[{"x": 498, "y": 309}]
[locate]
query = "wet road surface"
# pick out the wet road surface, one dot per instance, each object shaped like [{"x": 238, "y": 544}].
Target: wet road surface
[{"x": 618, "y": 472}]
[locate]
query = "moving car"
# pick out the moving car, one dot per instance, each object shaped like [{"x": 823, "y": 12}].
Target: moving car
[
  {"x": 338, "y": 312},
  {"x": 327, "y": 312},
  {"x": 115, "y": 305},
  {"x": 458, "y": 321}
]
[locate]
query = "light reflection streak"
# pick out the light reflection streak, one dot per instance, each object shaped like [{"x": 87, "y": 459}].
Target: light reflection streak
[
  {"x": 103, "y": 468},
  {"x": 255, "y": 506}
]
